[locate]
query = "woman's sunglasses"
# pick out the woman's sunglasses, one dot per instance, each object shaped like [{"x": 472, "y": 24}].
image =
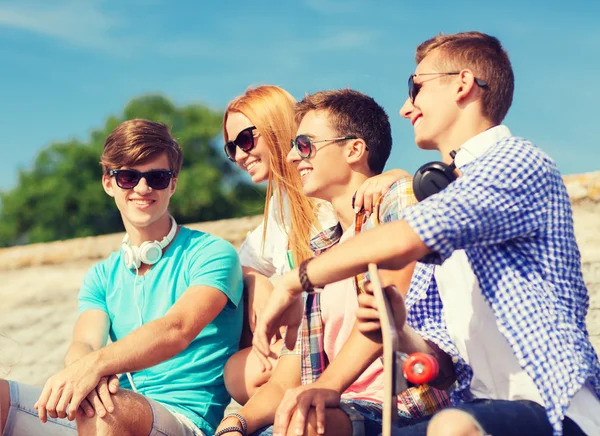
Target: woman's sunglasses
[
  {"x": 304, "y": 145},
  {"x": 414, "y": 88},
  {"x": 244, "y": 140},
  {"x": 128, "y": 179}
]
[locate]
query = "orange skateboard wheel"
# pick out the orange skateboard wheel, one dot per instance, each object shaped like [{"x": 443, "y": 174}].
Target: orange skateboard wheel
[{"x": 420, "y": 368}]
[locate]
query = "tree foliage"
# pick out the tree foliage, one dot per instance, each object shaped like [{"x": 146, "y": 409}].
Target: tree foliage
[{"x": 61, "y": 196}]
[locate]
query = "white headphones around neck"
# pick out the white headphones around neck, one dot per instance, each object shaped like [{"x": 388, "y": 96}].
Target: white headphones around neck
[{"x": 149, "y": 252}]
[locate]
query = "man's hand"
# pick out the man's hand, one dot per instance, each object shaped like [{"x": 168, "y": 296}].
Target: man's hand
[
  {"x": 375, "y": 187},
  {"x": 367, "y": 314},
  {"x": 299, "y": 400},
  {"x": 284, "y": 308},
  {"x": 99, "y": 400},
  {"x": 69, "y": 388}
]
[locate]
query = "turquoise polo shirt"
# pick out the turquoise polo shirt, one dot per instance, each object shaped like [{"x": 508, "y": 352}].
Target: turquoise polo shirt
[{"x": 190, "y": 383}]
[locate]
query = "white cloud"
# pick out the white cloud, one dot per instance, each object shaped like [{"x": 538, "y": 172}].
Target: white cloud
[
  {"x": 348, "y": 39},
  {"x": 80, "y": 23}
]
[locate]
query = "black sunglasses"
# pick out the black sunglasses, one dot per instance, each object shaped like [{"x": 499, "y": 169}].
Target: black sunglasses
[
  {"x": 414, "y": 88},
  {"x": 128, "y": 179},
  {"x": 304, "y": 145},
  {"x": 244, "y": 140}
]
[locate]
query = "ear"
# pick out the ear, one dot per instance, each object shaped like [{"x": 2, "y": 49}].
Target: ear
[
  {"x": 356, "y": 151},
  {"x": 107, "y": 185},
  {"x": 466, "y": 85},
  {"x": 173, "y": 186}
]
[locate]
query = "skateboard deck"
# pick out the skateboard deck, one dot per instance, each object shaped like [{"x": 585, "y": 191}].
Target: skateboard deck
[{"x": 418, "y": 368}]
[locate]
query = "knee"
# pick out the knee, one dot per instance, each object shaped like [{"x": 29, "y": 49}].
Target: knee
[
  {"x": 4, "y": 403},
  {"x": 109, "y": 425},
  {"x": 243, "y": 375},
  {"x": 337, "y": 423},
  {"x": 311, "y": 424},
  {"x": 131, "y": 417},
  {"x": 453, "y": 422},
  {"x": 235, "y": 377}
]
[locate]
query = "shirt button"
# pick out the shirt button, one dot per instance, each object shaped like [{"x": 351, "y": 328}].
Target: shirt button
[{"x": 454, "y": 359}]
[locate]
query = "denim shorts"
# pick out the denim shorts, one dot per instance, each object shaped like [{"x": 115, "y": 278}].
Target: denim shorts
[{"x": 23, "y": 419}]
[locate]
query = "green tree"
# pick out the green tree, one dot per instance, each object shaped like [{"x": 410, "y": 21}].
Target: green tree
[{"x": 61, "y": 196}]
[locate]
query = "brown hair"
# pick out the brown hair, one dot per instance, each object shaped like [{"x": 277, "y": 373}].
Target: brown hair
[
  {"x": 137, "y": 141},
  {"x": 488, "y": 60},
  {"x": 271, "y": 110},
  {"x": 353, "y": 113}
]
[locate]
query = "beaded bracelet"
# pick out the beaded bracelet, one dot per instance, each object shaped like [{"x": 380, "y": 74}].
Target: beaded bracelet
[
  {"x": 241, "y": 419},
  {"x": 307, "y": 286},
  {"x": 239, "y": 430}
]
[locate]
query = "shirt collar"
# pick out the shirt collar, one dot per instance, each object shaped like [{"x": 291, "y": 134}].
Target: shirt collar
[{"x": 479, "y": 144}]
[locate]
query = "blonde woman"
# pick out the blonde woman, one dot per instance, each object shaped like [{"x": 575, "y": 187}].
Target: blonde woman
[{"x": 258, "y": 127}]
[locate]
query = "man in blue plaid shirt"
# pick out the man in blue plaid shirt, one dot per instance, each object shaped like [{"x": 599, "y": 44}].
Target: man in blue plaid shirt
[{"x": 499, "y": 286}]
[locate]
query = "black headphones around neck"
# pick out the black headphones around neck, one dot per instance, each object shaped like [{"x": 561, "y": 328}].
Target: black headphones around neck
[{"x": 433, "y": 177}]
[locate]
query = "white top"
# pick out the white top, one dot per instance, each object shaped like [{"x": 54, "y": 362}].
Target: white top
[
  {"x": 473, "y": 329},
  {"x": 270, "y": 258}
]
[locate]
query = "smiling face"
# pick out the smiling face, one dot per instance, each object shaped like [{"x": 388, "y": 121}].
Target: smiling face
[
  {"x": 256, "y": 161},
  {"x": 326, "y": 171},
  {"x": 142, "y": 207},
  {"x": 434, "y": 111}
]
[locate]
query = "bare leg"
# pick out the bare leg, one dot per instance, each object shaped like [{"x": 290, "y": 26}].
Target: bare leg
[
  {"x": 4, "y": 403},
  {"x": 132, "y": 417},
  {"x": 453, "y": 422},
  {"x": 243, "y": 373}
]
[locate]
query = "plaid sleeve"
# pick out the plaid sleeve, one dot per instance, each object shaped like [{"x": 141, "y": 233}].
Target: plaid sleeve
[
  {"x": 297, "y": 345},
  {"x": 396, "y": 200},
  {"x": 500, "y": 196}
]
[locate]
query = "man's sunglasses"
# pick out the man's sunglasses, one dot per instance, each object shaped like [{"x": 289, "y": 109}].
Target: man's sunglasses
[
  {"x": 304, "y": 145},
  {"x": 414, "y": 88},
  {"x": 244, "y": 140},
  {"x": 128, "y": 179}
]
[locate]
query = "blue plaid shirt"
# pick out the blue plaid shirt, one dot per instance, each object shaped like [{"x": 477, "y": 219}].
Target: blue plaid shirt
[{"x": 510, "y": 213}]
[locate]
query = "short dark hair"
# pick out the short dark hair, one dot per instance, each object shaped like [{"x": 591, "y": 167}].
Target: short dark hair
[
  {"x": 354, "y": 113},
  {"x": 488, "y": 60},
  {"x": 137, "y": 141}
]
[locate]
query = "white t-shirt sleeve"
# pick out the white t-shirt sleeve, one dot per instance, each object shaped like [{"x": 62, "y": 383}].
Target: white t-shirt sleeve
[
  {"x": 270, "y": 258},
  {"x": 266, "y": 257}
]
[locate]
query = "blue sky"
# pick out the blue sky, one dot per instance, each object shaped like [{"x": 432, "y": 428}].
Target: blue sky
[{"x": 65, "y": 65}]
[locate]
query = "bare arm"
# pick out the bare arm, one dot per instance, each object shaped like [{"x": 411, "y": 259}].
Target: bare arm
[
  {"x": 165, "y": 337},
  {"x": 258, "y": 289},
  {"x": 89, "y": 334},
  {"x": 149, "y": 345},
  {"x": 358, "y": 352},
  {"x": 260, "y": 410},
  {"x": 410, "y": 341},
  {"x": 391, "y": 246},
  {"x": 361, "y": 349}
]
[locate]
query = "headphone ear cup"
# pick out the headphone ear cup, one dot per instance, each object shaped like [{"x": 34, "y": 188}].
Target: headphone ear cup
[
  {"x": 131, "y": 256},
  {"x": 150, "y": 252},
  {"x": 432, "y": 178}
]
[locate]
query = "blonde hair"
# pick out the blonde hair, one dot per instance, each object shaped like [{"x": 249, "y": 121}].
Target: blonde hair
[{"x": 271, "y": 110}]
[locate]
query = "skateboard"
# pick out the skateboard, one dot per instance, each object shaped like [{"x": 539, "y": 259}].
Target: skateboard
[{"x": 398, "y": 368}]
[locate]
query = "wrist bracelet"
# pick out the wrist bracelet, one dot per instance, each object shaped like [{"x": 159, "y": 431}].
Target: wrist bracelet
[
  {"x": 241, "y": 419},
  {"x": 229, "y": 429},
  {"x": 307, "y": 286}
]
